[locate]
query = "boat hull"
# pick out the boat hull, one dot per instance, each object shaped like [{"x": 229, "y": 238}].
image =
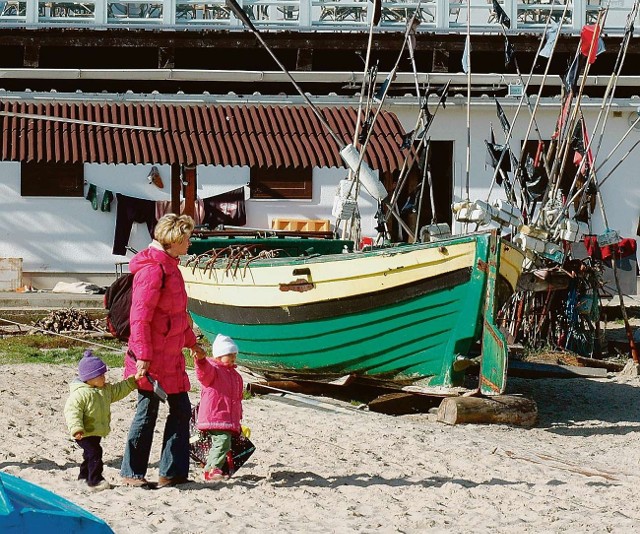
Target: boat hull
[{"x": 400, "y": 315}]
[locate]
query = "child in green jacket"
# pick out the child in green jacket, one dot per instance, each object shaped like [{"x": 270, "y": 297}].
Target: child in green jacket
[{"x": 88, "y": 414}]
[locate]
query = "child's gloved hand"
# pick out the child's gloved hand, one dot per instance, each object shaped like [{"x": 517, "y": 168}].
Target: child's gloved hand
[{"x": 78, "y": 436}]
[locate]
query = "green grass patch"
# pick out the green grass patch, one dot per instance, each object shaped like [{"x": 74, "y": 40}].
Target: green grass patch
[{"x": 41, "y": 348}]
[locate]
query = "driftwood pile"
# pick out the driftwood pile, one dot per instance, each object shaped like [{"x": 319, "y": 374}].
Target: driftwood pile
[{"x": 66, "y": 320}]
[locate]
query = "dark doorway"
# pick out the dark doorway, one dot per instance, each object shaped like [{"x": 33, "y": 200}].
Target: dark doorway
[{"x": 417, "y": 196}]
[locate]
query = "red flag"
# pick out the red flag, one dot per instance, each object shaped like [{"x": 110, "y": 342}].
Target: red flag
[{"x": 591, "y": 44}]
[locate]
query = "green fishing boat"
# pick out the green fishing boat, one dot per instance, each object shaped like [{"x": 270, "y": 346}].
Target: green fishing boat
[{"x": 407, "y": 315}]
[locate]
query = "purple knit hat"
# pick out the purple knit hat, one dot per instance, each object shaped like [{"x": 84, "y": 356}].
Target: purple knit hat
[{"x": 90, "y": 366}]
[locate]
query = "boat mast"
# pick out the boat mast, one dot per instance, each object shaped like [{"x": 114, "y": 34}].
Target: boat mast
[
  {"x": 525, "y": 95},
  {"x": 467, "y": 61}
]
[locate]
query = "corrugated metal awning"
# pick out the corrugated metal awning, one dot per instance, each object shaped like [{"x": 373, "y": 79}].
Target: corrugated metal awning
[{"x": 243, "y": 135}]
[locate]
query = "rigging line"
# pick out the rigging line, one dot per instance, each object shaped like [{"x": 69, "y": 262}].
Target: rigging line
[
  {"x": 238, "y": 11},
  {"x": 409, "y": 160},
  {"x": 392, "y": 73},
  {"x": 564, "y": 150},
  {"x": 63, "y": 335},
  {"x": 622, "y": 139},
  {"x": 623, "y": 310},
  {"x": 538, "y": 98},
  {"x": 622, "y": 54},
  {"x": 411, "y": 24},
  {"x": 414, "y": 69},
  {"x": 356, "y": 131},
  {"x": 467, "y": 51},
  {"x": 78, "y": 121},
  {"x": 425, "y": 173},
  {"x": 533, "y": 123},
  {"x": 618, "y": 164},
  {"x": 603, "y": 117}
]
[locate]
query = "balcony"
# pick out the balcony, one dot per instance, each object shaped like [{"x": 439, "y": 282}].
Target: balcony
[{"x": 320, "y": 15}]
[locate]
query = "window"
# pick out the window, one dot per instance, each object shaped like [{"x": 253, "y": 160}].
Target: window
[
  {"x": 52, "y": 179},
  {"x": 281, "y": 183}
]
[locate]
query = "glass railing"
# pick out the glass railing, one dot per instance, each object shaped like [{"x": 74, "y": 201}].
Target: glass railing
[{"x": 353, "y": 15}]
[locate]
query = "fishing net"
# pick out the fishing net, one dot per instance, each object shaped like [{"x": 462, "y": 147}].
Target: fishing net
[{"x": 200, "y": 443}]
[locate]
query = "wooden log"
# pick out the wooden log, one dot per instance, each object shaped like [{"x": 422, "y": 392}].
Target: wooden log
[{"x": 502, "y": 409}]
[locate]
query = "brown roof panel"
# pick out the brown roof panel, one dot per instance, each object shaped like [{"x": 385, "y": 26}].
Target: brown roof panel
[{"x": 244, "y": 135}]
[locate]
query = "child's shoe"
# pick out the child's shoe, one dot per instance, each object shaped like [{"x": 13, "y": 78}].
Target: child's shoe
[
  {"x": 214, "y": 474},
  {"x": 100, "y": 486}
]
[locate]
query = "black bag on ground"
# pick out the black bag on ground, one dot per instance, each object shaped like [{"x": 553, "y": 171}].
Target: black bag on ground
[{"x": 200, "y": 443}]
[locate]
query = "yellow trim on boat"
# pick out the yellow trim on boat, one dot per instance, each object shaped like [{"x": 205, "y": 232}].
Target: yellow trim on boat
[{"x": 343, "y": 277}]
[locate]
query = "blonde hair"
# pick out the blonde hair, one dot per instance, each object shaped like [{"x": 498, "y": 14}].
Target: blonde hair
[{"x": 172, "y": 228}]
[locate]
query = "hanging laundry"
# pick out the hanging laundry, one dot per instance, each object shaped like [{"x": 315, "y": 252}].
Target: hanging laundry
[
  {"x": 164, "y": 206},
  {"x": 92, "y": 196},
  {"x": 227, "y": 208},
  {"x": 107, "y": 198},
  {"x": 128, "y": 211}
]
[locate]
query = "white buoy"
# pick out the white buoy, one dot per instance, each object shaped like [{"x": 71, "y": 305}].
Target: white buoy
[{"x": 367, "y": 178}]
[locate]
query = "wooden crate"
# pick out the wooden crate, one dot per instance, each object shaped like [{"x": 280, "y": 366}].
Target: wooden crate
[
  {"x": 10, "y": 274},
  {"x": 301, "y": 225}
]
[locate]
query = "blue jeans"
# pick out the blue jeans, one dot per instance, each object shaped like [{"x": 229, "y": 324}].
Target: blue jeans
[{"x": 174, "y": 459}]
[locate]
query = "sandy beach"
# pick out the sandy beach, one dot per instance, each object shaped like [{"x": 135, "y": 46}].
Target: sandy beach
[{"x": 348, "y": 470}]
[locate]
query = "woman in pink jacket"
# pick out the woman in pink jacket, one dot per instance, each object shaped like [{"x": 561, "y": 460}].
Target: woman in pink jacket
[
  {"x": 160, "y": 329},
  {"x": 220, "y": 410}
]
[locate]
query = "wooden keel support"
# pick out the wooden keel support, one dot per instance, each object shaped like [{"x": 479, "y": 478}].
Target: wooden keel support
[{"x": 502, "y": 409}]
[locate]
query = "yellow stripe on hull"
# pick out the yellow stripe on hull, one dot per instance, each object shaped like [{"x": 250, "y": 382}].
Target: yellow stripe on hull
[{"x": 341, "y": 277}]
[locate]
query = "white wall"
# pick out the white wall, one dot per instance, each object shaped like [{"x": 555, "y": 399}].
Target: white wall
[
  {"x": 65, "y": 235},
  {"x": 621, "y": 192},
  {"x": 57, "y": 235}
]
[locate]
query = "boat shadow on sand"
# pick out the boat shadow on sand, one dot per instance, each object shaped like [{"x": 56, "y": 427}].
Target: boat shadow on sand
[{"x": 577, "y": 407}]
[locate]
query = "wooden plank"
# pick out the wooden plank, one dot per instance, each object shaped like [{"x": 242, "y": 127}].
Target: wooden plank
[
  {"x": 546, "y": 370},
  {"x": 503, "y": 409},
  {"x": 402, "y": 403}
]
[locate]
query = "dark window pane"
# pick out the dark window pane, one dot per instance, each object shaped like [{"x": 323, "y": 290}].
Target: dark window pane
[
  {"x": 52, "y": 179},
  {"x": 281, "y": 183}
]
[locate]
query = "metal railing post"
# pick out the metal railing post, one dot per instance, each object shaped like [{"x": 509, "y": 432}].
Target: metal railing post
[
  {"x": 304, "y": 18},
  {"x": 169, "y": 12},
  {"x": 442, "y": 14},
  {"x": 32, "y": 12},
  {"x": 100, "y": 12}
]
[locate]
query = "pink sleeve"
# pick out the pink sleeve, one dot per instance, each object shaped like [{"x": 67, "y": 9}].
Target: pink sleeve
[
  {"x": 205, "y": 372},
  {"x": 147, "y": 285},
  {"x": 190, "y": 338}
]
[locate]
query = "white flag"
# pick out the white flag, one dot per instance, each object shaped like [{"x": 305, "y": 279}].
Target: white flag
[
  {"x": 465, "y": 55},
  {"x": 550, "y": 38}
]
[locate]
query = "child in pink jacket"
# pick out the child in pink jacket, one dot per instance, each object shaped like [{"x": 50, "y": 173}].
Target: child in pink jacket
[{"x": 220, "y": 410}]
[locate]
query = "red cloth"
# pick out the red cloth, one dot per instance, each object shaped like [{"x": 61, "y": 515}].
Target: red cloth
[
  {"x": 221, "y": 396},
  {"x": 593, "y": 249},
  {"x": 625, "y": 247},
  {"x": 160, "y": 327},
  {"x": 590, "y": 42}
]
